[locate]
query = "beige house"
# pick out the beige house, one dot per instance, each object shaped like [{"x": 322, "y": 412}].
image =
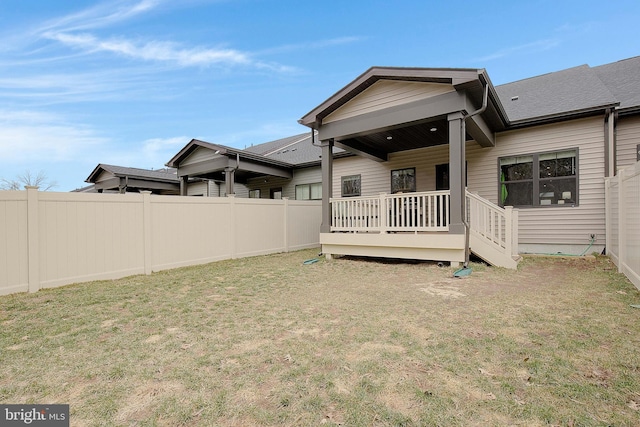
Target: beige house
[{"x": 425, "y": 163}]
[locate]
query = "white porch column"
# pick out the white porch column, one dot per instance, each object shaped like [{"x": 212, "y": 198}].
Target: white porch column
[
  {"x": 457, "y": 172},
  {"x": 327, "y": 184}
]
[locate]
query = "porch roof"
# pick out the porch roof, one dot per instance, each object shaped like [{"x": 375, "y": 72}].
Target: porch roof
[
  {"x": 413, "y": 124},
  {"x": 111, "y": 177},
  {"x": 244, "y": 163}
]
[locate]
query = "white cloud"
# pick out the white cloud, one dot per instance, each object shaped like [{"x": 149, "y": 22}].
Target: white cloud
[
  {"x": 537, "y": 46},
  {"x": 31, "y": 137},
  {"x": 154, "y": 50},
  {"x": 101, "y": 15},
  {"x": 72, "y": 31},
  {"x": 158, "y": 151},
  {"x": 312, "y": 45}
]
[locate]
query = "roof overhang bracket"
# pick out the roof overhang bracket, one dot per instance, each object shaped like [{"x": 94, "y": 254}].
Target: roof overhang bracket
[
  {"x": 355, "y": 147},
  {"x": 480, "y": 131}
]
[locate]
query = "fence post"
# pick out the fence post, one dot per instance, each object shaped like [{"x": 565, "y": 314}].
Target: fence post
[
  {"x": 33, "y": 238},
  {"x": 232, "y": 224},
  {"x": 607, "y": 214},
  {"x": 622, "y": 238},
  {"x": 516, "y": 232},
  {"x": 286, "y": 222},
  {"x": 147, "y": 231}
]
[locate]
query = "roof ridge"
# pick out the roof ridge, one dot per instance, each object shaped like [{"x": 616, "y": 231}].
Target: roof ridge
[{"x": 289, "y": 145}]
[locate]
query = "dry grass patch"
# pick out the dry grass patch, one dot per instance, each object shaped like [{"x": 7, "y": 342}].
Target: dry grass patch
[{"x": 270, "y": 341}]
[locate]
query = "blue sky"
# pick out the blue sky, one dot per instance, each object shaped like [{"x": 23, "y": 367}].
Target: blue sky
[{"x": 130, "y": 82}]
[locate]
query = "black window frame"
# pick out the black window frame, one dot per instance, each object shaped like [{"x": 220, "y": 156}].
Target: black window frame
[
  {"x": 538, "y": 183},
  {"x": 410, "y": 189},
  {"x": 356, "y": 189}
]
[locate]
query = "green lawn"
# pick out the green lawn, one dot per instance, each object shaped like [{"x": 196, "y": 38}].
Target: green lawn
[{"x": 353, "y": 342}]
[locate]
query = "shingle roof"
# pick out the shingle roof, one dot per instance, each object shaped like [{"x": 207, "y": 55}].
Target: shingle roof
[
  {"x": 168, "y": 174},
  {"x": 563, "y": 92},
  {"x": 296, "y": 150},
  {"x": 623, "y": 80}
]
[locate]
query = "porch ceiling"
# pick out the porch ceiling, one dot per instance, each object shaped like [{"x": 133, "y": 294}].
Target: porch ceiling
[{"x": 383, "y": 142}]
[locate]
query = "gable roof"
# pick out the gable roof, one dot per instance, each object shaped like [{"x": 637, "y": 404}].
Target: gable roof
[
  {"x": 222, "y": 150},
  {"x": 472, "y": 80},
  {"x": 568, "y": 93},
  {"x": 121, "y": 171}
]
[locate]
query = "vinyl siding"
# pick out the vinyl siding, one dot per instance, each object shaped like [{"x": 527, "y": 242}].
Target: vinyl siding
[
  {"x": 211, "y": 189},
  {"x": 387, "y": 93},
  {"x": 553, "y": 225},
  {"x": 376, "y": 176},
  {"x": 538, "y": 226},
  {"x": 104, "y": 176},
  {"x": 628, "y": 138},
  {"x": 199, "y": 154},
  {"x": 300, "y": 176}
]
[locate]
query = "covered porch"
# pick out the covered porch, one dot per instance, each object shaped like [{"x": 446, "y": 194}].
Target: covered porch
[
  {"x": 207, "y": 161},
  {"x": 416, "y": 226},
  {"x": 387, "y": 110}
]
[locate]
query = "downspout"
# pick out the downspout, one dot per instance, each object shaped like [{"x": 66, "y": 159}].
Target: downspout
[
  {"x": 313, "y": 138},
  {"x": 467, "y": 250}
]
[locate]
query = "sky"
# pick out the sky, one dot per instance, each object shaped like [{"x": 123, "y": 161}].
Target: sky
[{"x": 131, "y": 82}]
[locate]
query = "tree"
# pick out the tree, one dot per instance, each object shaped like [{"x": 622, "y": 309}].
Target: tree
[{"x": 28, "y": 178}]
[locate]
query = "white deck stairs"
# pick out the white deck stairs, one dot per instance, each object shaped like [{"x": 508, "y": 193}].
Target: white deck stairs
[
  {"x": 416, "y": 225},
  {"x": 493, "y": 233}
]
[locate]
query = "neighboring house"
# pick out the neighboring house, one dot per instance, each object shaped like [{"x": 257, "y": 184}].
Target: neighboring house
[
  {"x": 288, "y": 167},
  {"x": 119, "y": 179}
]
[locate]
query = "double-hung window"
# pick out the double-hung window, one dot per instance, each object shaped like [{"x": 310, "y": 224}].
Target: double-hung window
[
  {"x": 309, "y": 191},
  {"x": 539, "y": 180}
]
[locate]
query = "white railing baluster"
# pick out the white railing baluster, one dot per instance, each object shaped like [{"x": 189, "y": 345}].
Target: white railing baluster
[{"x": 415, "y": 212}]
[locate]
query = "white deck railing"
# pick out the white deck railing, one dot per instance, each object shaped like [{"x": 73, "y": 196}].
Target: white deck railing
[
  {"x": 425, "y": 211},
  {"x": 495, "y": 225}
]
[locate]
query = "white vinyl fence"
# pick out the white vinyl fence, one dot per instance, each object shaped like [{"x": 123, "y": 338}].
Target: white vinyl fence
[
  {"x": 622, "y": 194},
  {"x": 53, "y": 239}
]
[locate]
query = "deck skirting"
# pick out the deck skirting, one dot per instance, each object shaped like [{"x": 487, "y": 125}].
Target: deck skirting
[{"x": 422, "y": 246}]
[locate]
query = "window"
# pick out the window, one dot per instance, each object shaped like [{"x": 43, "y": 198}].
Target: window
[
  {"x": 254, "y": 194},
  {"x": 350, "y": 185},
  {"x": 309, "y": 191},
  {"x": 275, "y": 193},
  {"x": 543, "y": 179},
  {"x": 403, "y": 180}
]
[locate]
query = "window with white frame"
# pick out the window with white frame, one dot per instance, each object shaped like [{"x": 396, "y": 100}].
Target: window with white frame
[
  {"x": 309, "y": 191},
  {"x": 254, "y": 194},
  {"x": 350, "y": 186},
  {"x": 539, "y": 180}
]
